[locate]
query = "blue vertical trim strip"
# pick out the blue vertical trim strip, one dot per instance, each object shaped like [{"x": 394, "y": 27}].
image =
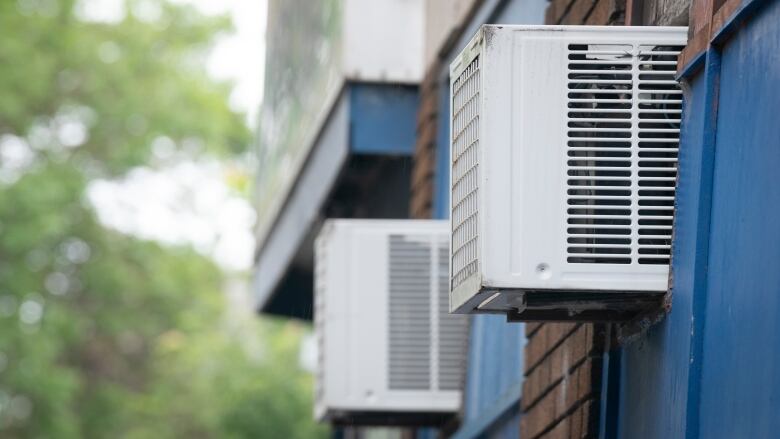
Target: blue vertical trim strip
[
  {"x": 656, "y": 369},
  {"x": 441, "y": 182},
  {"x": 742, "y": 13},
  {"x": 610, "y": 395},
  {"x": 740, "y": 386},
  {"x": 712, "y": 85},
  {"x": 494, "y": 376},
  {"x": 506, "y": 408}
]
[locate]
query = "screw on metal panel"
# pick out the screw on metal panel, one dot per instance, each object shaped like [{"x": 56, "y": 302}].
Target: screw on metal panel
[{"x": 543, "y": 271}]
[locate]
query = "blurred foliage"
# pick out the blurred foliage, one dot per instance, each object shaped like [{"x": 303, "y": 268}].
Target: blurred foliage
[{"x": 101, "y": 334}]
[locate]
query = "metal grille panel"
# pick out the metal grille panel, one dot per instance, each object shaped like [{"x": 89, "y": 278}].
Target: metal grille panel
[
  {"x": 452, "y": 329},
  {"x": 465, "y": 173},
  {"x": 623, "y": 104},
  {"x": 410, "y": 310},
  {"x": 659, "y": 111}
]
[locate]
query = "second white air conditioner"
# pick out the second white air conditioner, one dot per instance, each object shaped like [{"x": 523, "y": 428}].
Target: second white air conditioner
[
  {"x": 563, "y": 165},
  {"x": 389, "y": 351}
]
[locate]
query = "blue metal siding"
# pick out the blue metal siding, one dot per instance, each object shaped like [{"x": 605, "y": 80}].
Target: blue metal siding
[
  {"x": 441, "y": 181},
  {"x": 494, "y": 377},
  {"x": 709, "y": 370},
  {"x": 654, "y": 378},
  {"x": 740, "y": 385},
  {"x": 505, "y": 427},
  {"x": 495, "y": 365},
  {"x": 383, "y": 118}
]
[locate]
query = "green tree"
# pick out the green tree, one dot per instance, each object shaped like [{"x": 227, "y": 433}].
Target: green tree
[{"x": 102, "y": 334}]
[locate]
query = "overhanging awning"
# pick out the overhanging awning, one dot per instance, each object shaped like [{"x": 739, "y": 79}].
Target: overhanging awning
[{"x": 358, "y": 167}]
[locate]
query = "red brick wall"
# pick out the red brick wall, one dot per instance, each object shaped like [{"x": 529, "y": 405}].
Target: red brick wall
[
  {"x": 562, "y": 380},
  {"x": 424, "y": 163},
  {"x": 588, "y": 12}
]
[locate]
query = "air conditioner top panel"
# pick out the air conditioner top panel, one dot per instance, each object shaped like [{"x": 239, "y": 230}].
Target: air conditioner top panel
[{"x": 487, "y": 31}]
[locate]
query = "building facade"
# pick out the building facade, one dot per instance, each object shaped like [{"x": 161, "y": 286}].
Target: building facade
[{"x": 703, "y": 365}]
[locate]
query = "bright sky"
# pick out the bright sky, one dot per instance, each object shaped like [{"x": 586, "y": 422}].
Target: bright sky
[
  {"x": 240, "y": 57},
  {"x": 184, "y": 203},
  {"x": 190, "y": 202}
]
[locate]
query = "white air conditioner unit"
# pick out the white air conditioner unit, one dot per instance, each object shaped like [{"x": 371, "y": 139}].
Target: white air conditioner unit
[
  {"x": 389, "y": 351},
  {"x": 564, "y": 156}
]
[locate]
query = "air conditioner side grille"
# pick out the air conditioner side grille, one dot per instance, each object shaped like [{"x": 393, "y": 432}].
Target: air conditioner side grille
[
  {"x": 409, "y": 315},
  {"x": 622, "y": 132},
  {"x": 465, "y": 173},
  {"x": 452, "y": 328}
]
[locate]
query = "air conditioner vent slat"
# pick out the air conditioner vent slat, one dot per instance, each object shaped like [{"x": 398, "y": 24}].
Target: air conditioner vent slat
[
  {"x": 409, "y": 306},
  {"x": 651, "y": 106},
  {"x": 452, "y": 328}
]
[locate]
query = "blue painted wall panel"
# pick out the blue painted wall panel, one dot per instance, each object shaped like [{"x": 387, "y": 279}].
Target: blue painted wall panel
[
  {"x": 441, "y": 181},
  {"x": 495, "y": 363},
  {"x": 494, "y": 378},
  {"x": 383, "y": 118},
  {"x": 507, "y": 427},
  {"x": 740, "y": 392},
  {"x": 710, "y": 369},
  {"x": 654, "y": 378}
]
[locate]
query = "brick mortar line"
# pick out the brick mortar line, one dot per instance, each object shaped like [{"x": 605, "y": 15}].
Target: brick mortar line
[
  {"x": 565, "y": 11},
  {"x": 552, "y": 349},
  {"x": 580, "y": 402},
  {"x": 590, "y": 11},
  {"x": 554, "y": 384},
  {"x": 535, "y": 331}
]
